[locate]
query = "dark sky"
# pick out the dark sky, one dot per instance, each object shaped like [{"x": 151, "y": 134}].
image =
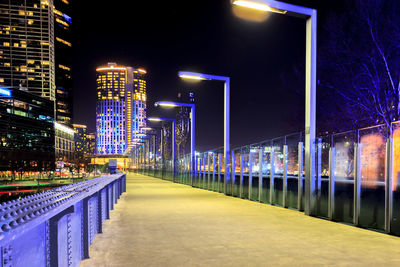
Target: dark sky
[{"x": 204, "y": 36}]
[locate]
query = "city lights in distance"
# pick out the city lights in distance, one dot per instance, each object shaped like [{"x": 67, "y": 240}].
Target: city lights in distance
[
  {"x": 5, "y": 92},
  {"x": 142, "y": 71}
]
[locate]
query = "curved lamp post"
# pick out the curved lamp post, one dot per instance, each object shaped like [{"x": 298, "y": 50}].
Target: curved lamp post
[
  {"x": 226, "y": 80},
  {"x": 192, "y": 129},
  {"x": 311, "y": 80}
]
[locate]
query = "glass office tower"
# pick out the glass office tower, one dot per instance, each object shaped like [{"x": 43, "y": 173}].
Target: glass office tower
[
  {"x": 27, "y": 47},
  {"x": 36, "y": 50},
  {"x": 26, "y": 132},
  {"x": 63, "y": 60},
  {"x": 121, "y": 103}
]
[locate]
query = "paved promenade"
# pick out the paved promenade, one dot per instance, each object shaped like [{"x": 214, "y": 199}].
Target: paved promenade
[{"x": 160, "y": 223}]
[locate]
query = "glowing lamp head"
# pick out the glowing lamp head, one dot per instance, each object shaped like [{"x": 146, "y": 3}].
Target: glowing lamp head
[
  {"x": 153, "y": 119},
  {"x": 5, "y": 92},
  {"x": 147, "y": 128},
  {"x": 253, "y": 5},
  {"x": 191, "y": 77},
  {"x": 166, "y": 104}
]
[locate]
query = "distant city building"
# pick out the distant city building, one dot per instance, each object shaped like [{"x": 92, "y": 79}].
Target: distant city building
[
  {"x": 63, "y": 60},
  {"x": 26, "y": 132},
  {"x": 65, "y": 143},
  {"x": 121, "y": 108},
  {"x": 91, "y": 144},
  {"x": 27, "y": 47},
  {"x": 80, "y": 140},
  {"x": 35, "y": 51}
]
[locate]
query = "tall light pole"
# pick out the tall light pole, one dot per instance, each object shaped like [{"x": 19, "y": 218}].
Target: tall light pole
[
  {"x": 311, "y": 81},
  {"x": 226, "y": 80},
  {"x": 157, "y": 119},
  {"x": 192, "y": 129}
]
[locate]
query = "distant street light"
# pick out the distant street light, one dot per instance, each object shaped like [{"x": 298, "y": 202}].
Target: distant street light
[
  {"x": 311, "y": 80},
  {"x": 192, "y": 128},
  {"x": 157, "y": 119},
  {"x": 226, "y": 80}
]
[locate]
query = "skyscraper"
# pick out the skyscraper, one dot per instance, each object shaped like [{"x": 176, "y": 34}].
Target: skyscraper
[
  {"x": 120, "y": 111},
  {"x": 63, "y": 60},
  {"x": 35, "y": 51},
  {"x": 27, "y": 47}
]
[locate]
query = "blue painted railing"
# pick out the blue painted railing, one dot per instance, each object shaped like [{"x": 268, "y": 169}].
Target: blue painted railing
[{"x": 56, "y": 227}]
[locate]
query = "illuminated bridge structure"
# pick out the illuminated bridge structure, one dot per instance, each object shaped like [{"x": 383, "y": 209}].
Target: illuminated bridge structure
[
  {"x": 56, "y": 227},
  {"x": 357, "y": 175}
]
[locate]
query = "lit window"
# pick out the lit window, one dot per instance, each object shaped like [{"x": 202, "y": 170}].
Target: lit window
[{"x": 6, "y": 44}]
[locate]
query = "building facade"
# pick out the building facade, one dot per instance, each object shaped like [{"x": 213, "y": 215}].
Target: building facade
[
  {"x": 26, "y": 132},
  {"x": 36, "y": 51},
  {"x": 65, "y": 144},
  {"x": 121, "y": 108},
  {"x": 81, "y": 143},
  {"x": 63, "y": 60},
  {"x": 27, "y": 46}
]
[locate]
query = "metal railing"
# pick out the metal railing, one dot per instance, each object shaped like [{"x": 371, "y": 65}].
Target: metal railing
[{"x": 56, "y": 227}]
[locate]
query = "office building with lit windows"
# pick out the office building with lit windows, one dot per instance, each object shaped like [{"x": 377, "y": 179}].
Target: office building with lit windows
[
  {"x": 27, "y": 47},
  {"x": 63, "y": 61},
  {"x": 121, "y": 108},
  {"x": 36, "y": 52},
  {"x": 26, "y": 132},
  {"x": 80, "y": 140}
]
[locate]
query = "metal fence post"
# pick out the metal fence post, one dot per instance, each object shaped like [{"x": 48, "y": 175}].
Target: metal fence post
[
  {"x": 300, "y": 177},
  {"x": 219, "y": 171},
  {"x": 208, "y": 167},
  {"x": 241, "y": 175},
  {"x": 213, "y": 186},
  {"x": 233, "y": 171},
  {"x": 357, "y": 183},
  {"x": 250, "y": 172},
  {"x": 331, "y": 192},
  {"x": 260, "y": 173},
  {"x": 272, "y": 175},
  {"x": 388, "y": 185},
  {"x": 284, "y": 182}
]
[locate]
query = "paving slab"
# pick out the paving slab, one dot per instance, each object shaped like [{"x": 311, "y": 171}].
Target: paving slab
[{"x": 160, "y": 223}]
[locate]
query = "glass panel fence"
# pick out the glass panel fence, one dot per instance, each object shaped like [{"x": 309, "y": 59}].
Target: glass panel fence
[
  {"x": 254, "y": 172},
  {"x": 292, "y": 142},
  {"x": 277, "y": 170},
  {"x": 322, "y": 173},
  {"x": 344, "y": 175},
  {"x": 372, "y": 198},
  {"x": 395, "y": 227},
  {"x": 266, "y": 172},
  {"x": 237, "y": 182},
  {"x": 245, "y": 151}
]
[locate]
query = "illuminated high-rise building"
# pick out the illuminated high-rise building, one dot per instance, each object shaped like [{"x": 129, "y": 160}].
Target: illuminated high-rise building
[
  {"x": 121, "y": 108},
  {"x": 36, "y": 51},
  {"x": 27, "y": 47}
]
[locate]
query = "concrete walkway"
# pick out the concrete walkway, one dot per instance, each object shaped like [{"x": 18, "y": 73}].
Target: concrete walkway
[{"x": 160, "y": 223}]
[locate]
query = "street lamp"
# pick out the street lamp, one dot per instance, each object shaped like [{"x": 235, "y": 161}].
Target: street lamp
[
  {"x": 192, "y": 128},
  {"x": 226, "y": 80},
  {"x": 157, "y": 119},
  {"x": 311, "y": 80}
]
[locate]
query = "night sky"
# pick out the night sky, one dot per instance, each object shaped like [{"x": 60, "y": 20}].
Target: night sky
[{"x": 203, "y": 36}]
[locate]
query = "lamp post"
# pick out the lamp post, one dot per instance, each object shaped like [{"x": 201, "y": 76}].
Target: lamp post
[
  {"x": 311, "y": 80},
  {"x": 192, "y": 129},
  {"x": 157, "y": 119},
  {"x": 151, "y": 132},
  {"x": 226, "y": 80}
]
